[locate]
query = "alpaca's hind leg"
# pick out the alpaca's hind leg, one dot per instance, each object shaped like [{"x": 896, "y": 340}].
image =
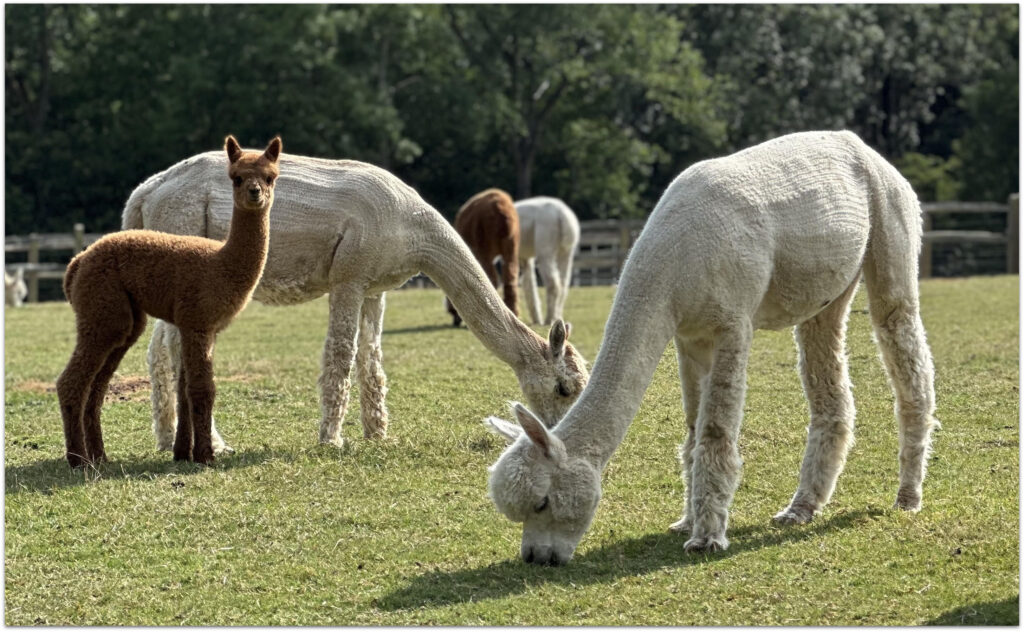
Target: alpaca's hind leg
[
  {"x": 529, "y": 273},
  {"x": 716, "y": 458},
  {"x": 694, "y": 361},
  {"x": 373, "y": 383},
  {"x": 73, "y": 387},
  {"x": 91, "y": 420},
  {"x": 339, "y": 352},
  {"x": 821, "y": 342},
  {"x": 164, "y": 359},
  {"x": 895, "y": 313},
  {"x": 197, "y": 368},
  {"x": 565, "y": 274},
  {"x": 182, "y": 447}
]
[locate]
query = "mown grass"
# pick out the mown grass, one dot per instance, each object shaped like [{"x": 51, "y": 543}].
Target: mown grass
[{"x": 401, "y": 532}]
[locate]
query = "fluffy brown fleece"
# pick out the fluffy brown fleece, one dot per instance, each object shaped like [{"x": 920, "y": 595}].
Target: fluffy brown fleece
[
  {"x": 489, "y": 224},
  {"x": 198, "y": 284}
]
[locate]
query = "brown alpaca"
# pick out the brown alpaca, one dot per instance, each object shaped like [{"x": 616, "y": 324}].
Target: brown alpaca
[
  {"x": 489, "y": 224},
  {"x": 198, "y": 284}
]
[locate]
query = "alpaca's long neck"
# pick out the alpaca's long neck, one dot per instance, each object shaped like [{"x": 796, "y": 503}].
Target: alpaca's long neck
[
  {"x": 446, "y": 259},
  {"x": 245, "y": 250},
  {"x": 639, "y": 328}
]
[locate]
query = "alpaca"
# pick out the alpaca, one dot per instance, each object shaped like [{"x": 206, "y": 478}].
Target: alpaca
[
  {"x": 353, "y": 231},
  {"x": 549, "y": 234},
  {"x": 15, "y": 289},
  {"x": 197, "y": 284},
  {"x": 489, "y": 225},
  {"x": 774, "y": 236}
]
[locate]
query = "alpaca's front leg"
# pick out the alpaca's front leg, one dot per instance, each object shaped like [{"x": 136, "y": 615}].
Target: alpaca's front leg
[
  {"x": 553, "y": 284},
  {"x": 373, "y": 383},
  {"x": 339, "y": 352},
  {"x": 529, "y": 275},
  {"x": 694, "y": 361},
  {"x": 716, "y": 459},
  {"x": 197, "y": 365},
  {"x": 164, "y": 358}
]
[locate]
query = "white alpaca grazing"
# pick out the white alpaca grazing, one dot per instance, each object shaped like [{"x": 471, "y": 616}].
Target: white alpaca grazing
[
  {"x": 350, "y": 230},
  {"x": 548, "y": 235},
  {"x": 771, "y": 237},
  {"x": 15, "y": 289}
]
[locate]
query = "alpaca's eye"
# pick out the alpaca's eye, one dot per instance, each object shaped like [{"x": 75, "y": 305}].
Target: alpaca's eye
[
  {"x": 238, "y": 181},
  {"x": 542, "y": 506},
  {"x": 270, "y": 179},
  {"x": 564, "y": 392}
]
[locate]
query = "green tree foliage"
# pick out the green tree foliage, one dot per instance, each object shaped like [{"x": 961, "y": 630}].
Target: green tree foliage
[{"x": 599, "y": 104}]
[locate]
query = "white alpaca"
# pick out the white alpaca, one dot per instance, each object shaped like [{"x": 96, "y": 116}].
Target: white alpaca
[
  {"x": 548, "y": 235},
  {"x": 15, "y": 289},
  {"x": 350, "y": 230},
  {"x": 771, "y": 237}
]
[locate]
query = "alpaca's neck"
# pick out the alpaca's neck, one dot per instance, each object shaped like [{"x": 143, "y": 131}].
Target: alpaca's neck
[
  {"x": 245, "y": 250},
  {"x": 446, "y": 259},
  {"x": 638, "y": 330}
]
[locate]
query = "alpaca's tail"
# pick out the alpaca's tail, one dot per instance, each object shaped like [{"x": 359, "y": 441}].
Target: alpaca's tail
[{"x": 69, "y": 277}]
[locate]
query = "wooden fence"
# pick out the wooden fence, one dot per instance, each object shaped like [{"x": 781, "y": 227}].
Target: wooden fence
[{"x": 603, "y": 246}]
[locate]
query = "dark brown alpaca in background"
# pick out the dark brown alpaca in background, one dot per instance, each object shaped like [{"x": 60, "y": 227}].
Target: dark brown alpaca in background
[
  {"x": 198, "y": 284},
  {"x": 489, "y": 224}
]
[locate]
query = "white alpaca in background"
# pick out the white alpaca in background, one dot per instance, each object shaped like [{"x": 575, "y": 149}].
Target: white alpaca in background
[
  {"x": 548, "y": 235},
  {"x": 15, "y": 289},
  {"x": 771, "y": 237},
  {"x": 352, "y": 231}
]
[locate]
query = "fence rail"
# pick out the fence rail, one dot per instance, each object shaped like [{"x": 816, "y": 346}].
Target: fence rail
[{"x": 604, "y": 245}]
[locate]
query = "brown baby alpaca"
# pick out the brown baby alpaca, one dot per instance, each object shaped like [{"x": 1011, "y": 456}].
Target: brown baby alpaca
[
  {"x": 195, "y": 283},
  {"x": 489, "y": 224}
]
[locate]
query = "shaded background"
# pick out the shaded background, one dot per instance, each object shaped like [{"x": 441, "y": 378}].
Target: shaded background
[{"x": 600, "y": 105}]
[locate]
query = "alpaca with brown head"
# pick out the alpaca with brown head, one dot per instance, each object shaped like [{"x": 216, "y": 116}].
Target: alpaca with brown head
[
  {"x": 489, "y": 224},
  {"x": 197, "y": 284}
]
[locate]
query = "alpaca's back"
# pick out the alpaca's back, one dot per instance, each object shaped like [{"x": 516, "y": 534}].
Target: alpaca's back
[
  {"x": 487, "y": 222},
  {"x": 547, "y": 227}
]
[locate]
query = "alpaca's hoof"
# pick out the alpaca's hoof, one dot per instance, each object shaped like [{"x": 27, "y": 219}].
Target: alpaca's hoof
[
  {"x": 684, "y": 525},
  {"x": 908, "y": 500},
  {"x": 77, "y": 461},
  {"x": 204, "y": 458},
  {"x": 223, "y": 449},
  {"x": 182, "y": 455},
  {"x": 337, "y": 442},
  {"x": 709, "y": 544},
  {"x": 794, "y": 515}
]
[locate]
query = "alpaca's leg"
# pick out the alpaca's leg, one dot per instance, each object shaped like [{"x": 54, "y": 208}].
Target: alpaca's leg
[
  {"x": 529, "y": 272},
  {"x": 197, "y": 364},
  {"x": 73, "y": 388},
  {"x": 183, "y": 438},
  {"x": 490, "y": 270},
  {"x": 694, "y": 361},
  {"x": 894, "y": 305},
  {"x": 565, "y": 274},
  {"x": 91, "y": 418},
  {"x": 510, "y": 274},
  {"x": 716, "y": 458},
  {"x": 373, "y": 383},
  {"x": 164, "y": 359},
  {"x": 339, "y": 352},
  {"x": 821, "y": 342},
  {"x": 553, "y": 285}
]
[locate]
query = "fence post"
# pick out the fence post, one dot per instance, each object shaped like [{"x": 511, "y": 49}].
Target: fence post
[
  {"x": 33, "y": 274},
  {"x": 925, "y": 262},
  {"x": 1013, "y": 234},
  {"x": 79, "y": 235}
]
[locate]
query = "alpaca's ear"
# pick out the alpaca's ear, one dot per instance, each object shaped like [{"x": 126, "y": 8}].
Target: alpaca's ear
[
  {"x": 557, "y": 336},
  {"x": 568, "y": 331},
  {"x": 506, "y": 429},
  {"x": 273, "y": 151},
  {"x": 539, "y": 435},
  {"x": 233, "y": 148}
]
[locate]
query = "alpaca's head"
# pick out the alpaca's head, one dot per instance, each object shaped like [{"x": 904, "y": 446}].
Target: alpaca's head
[
  {"x": 554, "y": 377},
  {"x": 536, "y": 482},
  {"x": 253, "y": 174}
]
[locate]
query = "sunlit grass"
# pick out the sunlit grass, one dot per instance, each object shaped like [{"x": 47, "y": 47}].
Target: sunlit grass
[{"x": 400, "y": 531}]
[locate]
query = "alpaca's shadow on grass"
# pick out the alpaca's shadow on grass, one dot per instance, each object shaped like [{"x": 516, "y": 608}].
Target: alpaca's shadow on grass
[
  {"x": 48, "y": 475},
  {"x": 418, "y": 330},
  {"x": 1005, "y": 612},
  {"x": 624, "y": 558}
]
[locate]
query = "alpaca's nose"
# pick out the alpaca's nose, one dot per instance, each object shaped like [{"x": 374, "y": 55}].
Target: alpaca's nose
[
  {"x": 542, "y": 555},
  {"x": 254, "y": 191}
]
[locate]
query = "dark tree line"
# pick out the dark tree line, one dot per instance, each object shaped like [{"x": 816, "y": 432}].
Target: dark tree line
[{"x": 601, "y": 105}]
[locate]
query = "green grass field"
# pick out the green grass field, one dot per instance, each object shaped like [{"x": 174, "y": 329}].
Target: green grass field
[{"x": 401, "y": 532}]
